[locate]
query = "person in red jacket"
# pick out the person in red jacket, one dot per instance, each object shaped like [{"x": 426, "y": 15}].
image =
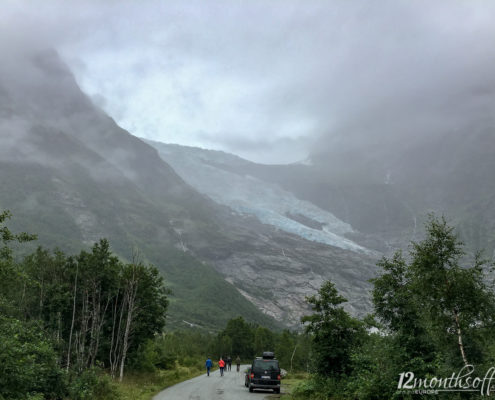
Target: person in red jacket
[{"x": 221, "y": 364}]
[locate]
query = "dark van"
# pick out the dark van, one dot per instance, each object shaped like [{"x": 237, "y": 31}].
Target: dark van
[{"x": 264, "y": 373}]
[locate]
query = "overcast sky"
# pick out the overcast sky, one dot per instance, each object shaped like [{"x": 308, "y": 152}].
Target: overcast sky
[{"x": 271, "y": 80}]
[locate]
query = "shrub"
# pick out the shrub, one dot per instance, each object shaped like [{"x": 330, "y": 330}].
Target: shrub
[
  {"x": 92, "y": 384},
  {"x": 28, "y": 362}
]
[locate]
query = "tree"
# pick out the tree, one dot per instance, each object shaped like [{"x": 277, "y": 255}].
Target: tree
[
  {"x": 395, "y": 306},
  {"x": 263, "y": 340},
  {"x": 454, "y": 299},
  {"x": 433, "y": 304},
  {"x": 28, "y": 361},
  {"x": 12, "y": 281},
  {"x": 286, "y": 344},
  {"x": 335, "y": 333},
  {"x": 241, "y": 335},
  {"x": 7, "y": 237},
  {"x": 137, "y": 312}
]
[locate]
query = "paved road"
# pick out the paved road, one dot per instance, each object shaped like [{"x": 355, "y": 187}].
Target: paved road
[{"x": 214, "y": 387}]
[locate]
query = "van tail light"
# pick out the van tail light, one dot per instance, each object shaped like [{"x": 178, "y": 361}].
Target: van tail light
[
  {"x": 252, "y": 375},
  {"x": 278, "y": 377}
]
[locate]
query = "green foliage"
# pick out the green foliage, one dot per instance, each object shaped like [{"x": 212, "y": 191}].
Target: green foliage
[
  {"x": 28, "y": 362},
  {"x": 263, "y": 340},
  {"x": 61, "y": 316},
  {"x": 453, "y": 298},
  {"x": 7, "y": 237},
  {"x": 152, "y": 305},
  {"x": 11, "y": 278},
  {"x": 146, "y": 358},
  {"x": 434, "y": 314},
  {"x": 186, "y": 347},
  {"x": 207, "y": 300},
  {"x": 320, "y": 388},
  {"x": 395, "y": 307},
  {"x": 92, "y": 384},
  {"x": 294, "y": 350},
  {"x": 142, "y": 386},
  {"x": 130, "y": 218},
  {"x": 375, "y": 364},
  {"x": 433, "y": 302},
  {"x": 237, "y": 338},
  {"x": 335, "y": 333}
]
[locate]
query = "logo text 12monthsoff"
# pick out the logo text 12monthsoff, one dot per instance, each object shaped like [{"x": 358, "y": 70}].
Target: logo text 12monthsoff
[{"x": 463, "y": 381}]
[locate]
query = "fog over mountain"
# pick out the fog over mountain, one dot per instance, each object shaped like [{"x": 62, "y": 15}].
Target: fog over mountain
[{"x": 274, "y": 82}]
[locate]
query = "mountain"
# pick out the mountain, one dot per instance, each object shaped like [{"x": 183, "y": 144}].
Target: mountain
[
  {"x": 368, "y": 199},
  {"x": 208, "y": 172},
  {"x": 70, "y": 174},
  {"x": 383, "y": 189},
  {"x": 290, "y": 246}
]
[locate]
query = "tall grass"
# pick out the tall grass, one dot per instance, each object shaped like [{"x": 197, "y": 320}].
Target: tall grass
[{"x": 143, "y": 386}]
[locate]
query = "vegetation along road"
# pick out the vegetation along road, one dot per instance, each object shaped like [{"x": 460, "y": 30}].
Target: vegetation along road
[{"x": 214, "y": 387}]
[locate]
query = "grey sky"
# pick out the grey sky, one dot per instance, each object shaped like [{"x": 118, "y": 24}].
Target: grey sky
[{"x": 272, "y": 80}]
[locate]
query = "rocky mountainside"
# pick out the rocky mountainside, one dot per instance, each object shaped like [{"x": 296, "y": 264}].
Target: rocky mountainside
[
  {"x": 71, "y": 175},
  {"x": 363, "y": 201},
  {"x": 382, "y": 193}
]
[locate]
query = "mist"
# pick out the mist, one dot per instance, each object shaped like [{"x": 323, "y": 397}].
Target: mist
[{"x": 273, "y": 82}]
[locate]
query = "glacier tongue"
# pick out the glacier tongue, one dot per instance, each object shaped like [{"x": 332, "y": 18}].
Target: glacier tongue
[{"x": 251, "y": 196}]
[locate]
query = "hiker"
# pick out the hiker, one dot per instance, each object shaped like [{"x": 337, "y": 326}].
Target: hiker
[
  {"x": 229, "y": 362},
  {"x": 238, "y": 362},
  {"x": 221, "y": 364},
  {"x": 208, "y": 365}
]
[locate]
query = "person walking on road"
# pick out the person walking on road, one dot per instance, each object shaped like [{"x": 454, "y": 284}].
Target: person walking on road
[
  {"x": 229, "y": 363},
  {"x": 208, "y": 365},
  {"x": 221, "y": 364},
  {"x": 238, "y": 362}
]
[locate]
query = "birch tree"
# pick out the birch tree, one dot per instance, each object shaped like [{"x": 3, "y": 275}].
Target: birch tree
[
  {"x": 453, "y": 298},
  {"x": 434, "y": 302}
]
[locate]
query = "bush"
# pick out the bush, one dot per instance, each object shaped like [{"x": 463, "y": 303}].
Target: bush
[
  {"x": 189, "y": 361},
  {"x": 318, "y": 388},
  {"x": 92, "y": 384},
  {"x": 28, "y": 362},
  {"x": 305, "y": 390},
  {"x": 146, "y": 358}
]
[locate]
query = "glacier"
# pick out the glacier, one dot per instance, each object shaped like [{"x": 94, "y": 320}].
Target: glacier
[{"x": 247, "y": 195}]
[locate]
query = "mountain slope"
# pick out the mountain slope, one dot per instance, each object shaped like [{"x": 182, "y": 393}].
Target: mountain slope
[
  {"x": 207, "y": 171},
  {"x": 368, "y": 198},
  {"x": 71, "y": 175},
  {"x": 285, "y": 248},
  {"x": 385, "y": 189}
]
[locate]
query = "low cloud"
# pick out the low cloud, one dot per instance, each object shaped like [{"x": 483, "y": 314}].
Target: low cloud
[{"x": 256, "y": 77}]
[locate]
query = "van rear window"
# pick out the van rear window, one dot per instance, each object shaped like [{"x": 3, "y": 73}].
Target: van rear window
[{"x": 266, "y": 364}]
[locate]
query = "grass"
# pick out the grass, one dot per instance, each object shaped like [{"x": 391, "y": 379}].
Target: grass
[
  {"x": 144, "y": 386},
  {"x": 288, "y": 384}
]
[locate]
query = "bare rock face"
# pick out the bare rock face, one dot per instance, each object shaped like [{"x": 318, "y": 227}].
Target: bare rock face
[
  {"x": 276, "y": 271},
  {"x": 279, "y": 249}
]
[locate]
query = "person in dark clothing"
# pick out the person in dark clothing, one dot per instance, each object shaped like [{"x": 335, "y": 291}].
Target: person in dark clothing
[
  {"x": 229, "y": 362},
  {"x": 208, "y": 365}
]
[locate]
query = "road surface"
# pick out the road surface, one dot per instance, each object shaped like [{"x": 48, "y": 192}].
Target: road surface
[{"x": 229, "y": 387}]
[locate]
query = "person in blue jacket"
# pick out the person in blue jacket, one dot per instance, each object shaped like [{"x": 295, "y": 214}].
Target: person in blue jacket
[{"x": 208, "y": 364}]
